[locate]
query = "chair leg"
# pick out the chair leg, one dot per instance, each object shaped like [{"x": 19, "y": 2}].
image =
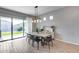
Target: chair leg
[
  {"x": 52, "y": 43},
  {"x": 26, "y": 39},
  {"x": 53, "y": 38},
  {"x": 38, "y": 45},
  {"x": 49, "y": 45},
  {"x": 41, "y": 43},
  {"x": 29, "y": 41},
  {"x": 32, "y": 43}
]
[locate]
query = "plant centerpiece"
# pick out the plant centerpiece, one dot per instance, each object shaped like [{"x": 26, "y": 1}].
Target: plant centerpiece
[
  {"x": 41, "y": 30},
  {"x": 37, "y": 30}
]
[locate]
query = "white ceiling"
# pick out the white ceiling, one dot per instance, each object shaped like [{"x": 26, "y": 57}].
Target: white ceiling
[{"x": 30, "y": 9}]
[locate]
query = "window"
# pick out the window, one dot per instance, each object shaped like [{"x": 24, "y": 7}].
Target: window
[{"x": 51, "y": 17}]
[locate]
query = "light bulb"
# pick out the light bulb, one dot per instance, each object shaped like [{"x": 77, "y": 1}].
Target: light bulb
[
  {"x": 37, "y": 21},
  {"x": 44, "y": 18},
  {"x": 34, "y": 21}
]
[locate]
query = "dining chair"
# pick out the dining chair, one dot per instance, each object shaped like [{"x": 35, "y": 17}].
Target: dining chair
[
  {"x": 29, "y": 38},
  {"x": 48, "y": 40},
  {"x": 34, "y": 39},
  {"x": 38, "y": 40}
]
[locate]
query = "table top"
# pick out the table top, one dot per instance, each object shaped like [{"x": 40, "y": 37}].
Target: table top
[{"x": 39, "y": 34}]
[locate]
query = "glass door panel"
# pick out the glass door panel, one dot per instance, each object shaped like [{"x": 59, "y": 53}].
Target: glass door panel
[
  {"x": 5, "y": 28},
  {"x": 17, "y": 27}
]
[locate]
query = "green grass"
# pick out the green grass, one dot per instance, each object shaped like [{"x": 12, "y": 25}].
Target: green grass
[{"x": 9, "y": 33}]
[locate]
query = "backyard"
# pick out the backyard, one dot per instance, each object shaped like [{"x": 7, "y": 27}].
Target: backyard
[{"x": 9, "y": 33}]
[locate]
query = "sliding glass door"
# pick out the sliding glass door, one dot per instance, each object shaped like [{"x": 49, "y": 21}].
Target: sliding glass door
[
  {"x": 11, "y": 28},
  {"x": 0, "y": 29},
  {"x": 17, "y": 27},
  {"x": 5, "y": 28}
]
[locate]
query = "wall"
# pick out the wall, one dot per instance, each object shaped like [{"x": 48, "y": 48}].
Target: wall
[
  {"x": 29, "y": 25},
  {"x": 33, "y": 27},
  {"x": 66, "y": 21}
]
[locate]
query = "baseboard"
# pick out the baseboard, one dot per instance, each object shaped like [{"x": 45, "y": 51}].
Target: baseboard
[{"x": 68, "y": 42}]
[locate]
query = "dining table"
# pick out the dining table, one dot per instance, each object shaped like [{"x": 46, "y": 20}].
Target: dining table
[
  {"x": 39, "y": 34},
  {"x": 42, "y": 35}
]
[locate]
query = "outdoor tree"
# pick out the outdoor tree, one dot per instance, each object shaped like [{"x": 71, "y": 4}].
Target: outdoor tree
[{"x": 19, "y": 29}]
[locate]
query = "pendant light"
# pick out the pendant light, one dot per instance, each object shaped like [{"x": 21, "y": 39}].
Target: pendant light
[{"x": 36, "y": 18}]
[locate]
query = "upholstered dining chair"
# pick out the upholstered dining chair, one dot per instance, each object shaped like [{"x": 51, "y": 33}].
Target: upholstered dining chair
[
  {"x": 34, "y": 39},
  {"x": 49, "y": 41}
]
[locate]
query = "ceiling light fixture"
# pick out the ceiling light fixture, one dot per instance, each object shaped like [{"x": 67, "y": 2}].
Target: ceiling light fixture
[{"x": 36, "y": 18}]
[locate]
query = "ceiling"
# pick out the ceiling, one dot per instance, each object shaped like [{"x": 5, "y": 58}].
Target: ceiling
[{"x": 30, "y": 9}]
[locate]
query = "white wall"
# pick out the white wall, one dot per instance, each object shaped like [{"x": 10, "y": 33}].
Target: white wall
[
  {"x": 34, "y": 27},
  {"x": 66, "y": 21},
  {"x": 29, "y": 25}
]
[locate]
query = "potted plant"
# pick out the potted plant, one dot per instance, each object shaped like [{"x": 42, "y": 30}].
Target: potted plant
[
  {"x": 37, "y": 30},
  {"x": 41, "y": 30}
]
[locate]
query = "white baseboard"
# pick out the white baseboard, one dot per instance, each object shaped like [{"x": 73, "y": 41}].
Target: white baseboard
[{"x": 68, "y": 42}]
